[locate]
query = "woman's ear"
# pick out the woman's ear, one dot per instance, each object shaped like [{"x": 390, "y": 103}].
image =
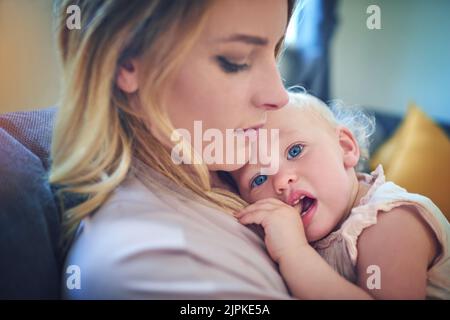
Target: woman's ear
[
  {"x": 127, "y": 77},
  {"x": 349, "y": 147}
]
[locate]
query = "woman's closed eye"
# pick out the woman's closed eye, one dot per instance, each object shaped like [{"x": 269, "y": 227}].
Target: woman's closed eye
[
  {"x": 295, "y": 151},
  {"x": 231, "y": 67}
]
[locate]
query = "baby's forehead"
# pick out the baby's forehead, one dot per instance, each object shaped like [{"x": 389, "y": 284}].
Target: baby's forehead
[
  {"x": 293, "y": 118},
  {"x": 286, "y": 114},
  {"x": 287, "y": 111}
]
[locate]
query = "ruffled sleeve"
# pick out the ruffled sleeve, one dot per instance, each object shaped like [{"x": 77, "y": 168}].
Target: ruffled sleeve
[
  {"x": 365, "y": 214},
  {"x": 383, "y": 197}
]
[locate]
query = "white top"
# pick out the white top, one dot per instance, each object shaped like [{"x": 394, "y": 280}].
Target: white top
[
  {"x": 146, "y": 244},
  {"x": 340, "y": 248}
]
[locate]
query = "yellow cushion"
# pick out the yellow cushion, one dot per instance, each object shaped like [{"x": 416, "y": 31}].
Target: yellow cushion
[{"x": 417, "y": 158}]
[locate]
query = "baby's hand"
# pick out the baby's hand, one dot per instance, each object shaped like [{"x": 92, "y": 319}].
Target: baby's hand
[{"x": 282, "y": 225}]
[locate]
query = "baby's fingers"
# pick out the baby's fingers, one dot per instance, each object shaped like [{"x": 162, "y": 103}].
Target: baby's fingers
[
  {"x": 255, "y": 207},
  {"x": 256, "y": 217}
]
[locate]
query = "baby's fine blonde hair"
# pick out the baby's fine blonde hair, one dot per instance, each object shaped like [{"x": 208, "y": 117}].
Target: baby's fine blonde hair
[{"x": 355, "y": 119}]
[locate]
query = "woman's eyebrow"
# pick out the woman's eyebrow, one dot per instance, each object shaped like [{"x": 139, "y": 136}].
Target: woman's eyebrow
[{"x": 246, "y": 38}]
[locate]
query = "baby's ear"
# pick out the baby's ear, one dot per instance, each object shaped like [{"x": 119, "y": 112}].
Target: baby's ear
[
  {"x": 349, "y": 147},
  {"x": 127, "y": 76}
]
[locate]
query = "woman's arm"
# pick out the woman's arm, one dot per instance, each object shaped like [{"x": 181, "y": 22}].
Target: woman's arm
[{"x": 401, "y": 246}]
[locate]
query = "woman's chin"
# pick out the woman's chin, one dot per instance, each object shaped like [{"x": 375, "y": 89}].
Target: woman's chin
[
  {"x": 235, "y": 162},
  {"x": 225, "y": 167}
]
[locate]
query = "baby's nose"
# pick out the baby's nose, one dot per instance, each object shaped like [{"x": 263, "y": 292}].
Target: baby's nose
[{"x": 282, "y": 182}]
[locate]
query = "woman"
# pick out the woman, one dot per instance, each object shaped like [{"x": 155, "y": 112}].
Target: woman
[{"x": 151, "y": 227}]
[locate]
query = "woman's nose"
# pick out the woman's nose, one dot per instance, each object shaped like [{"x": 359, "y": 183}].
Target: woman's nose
[
  {"x": 282, "y": 181},
  {"x": 270, "y": 92}
]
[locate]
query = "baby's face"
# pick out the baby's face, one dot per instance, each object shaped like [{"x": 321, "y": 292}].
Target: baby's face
[{"x": 312, "y": 171}]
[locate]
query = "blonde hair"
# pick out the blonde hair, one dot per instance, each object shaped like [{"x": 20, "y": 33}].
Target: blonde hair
[
  {"x": 98, "y": 134},
  {"x": 355, "y": 119}
]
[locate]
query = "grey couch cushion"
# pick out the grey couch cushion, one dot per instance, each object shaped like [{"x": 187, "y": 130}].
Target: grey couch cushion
[
  {"x": 33, "y": 129},
  {"x": 29, "y": 219}
]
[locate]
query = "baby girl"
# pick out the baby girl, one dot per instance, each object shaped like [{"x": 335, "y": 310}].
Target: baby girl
[{"x": 334, "y": 232}]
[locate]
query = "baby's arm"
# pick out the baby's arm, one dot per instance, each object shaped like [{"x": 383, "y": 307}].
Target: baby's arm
[
  {"x": 310, "y": 277},
  {"x": 403, "y": 246},
  {"x": 307, "y": 275}
]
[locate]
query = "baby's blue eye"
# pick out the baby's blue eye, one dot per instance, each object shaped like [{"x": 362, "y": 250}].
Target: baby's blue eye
[
  {"x": 259, "y": 180},
  {"x": 295, "y": 151}
]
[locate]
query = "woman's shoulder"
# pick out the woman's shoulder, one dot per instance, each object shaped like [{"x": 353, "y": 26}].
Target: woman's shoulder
[
  {"x": 133, "y": 212},
  {"x": 132, "y": 218},
  {"x": 132, "y": 193},
  {"x": 139, "y": 245},
  {"x": 130, "y": 227}
]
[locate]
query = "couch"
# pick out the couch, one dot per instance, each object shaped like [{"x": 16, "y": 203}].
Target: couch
[{"x": 29, "y": 218}]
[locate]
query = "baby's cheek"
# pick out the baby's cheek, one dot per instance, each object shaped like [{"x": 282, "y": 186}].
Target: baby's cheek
[
  {"x": 253, "y": 199},
  {"x": 265, "y": 192},
  {"x": 244, "y": 193}
]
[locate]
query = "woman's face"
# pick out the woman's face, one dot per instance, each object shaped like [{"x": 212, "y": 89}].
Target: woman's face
[{"x": 229, "y": 79}]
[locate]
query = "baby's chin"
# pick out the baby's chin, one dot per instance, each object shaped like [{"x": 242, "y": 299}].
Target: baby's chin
[
  {"x": 314, "y": 234},
  {"x": 315, "y": 237}
]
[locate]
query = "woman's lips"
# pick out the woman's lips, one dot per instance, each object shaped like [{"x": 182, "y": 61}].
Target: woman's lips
[
  {"x": 252, "y": 132},
  {"x": 255, "y": 127}
]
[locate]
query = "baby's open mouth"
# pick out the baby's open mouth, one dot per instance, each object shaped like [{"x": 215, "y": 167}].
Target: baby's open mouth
[{"x": 306, "y": 204}]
